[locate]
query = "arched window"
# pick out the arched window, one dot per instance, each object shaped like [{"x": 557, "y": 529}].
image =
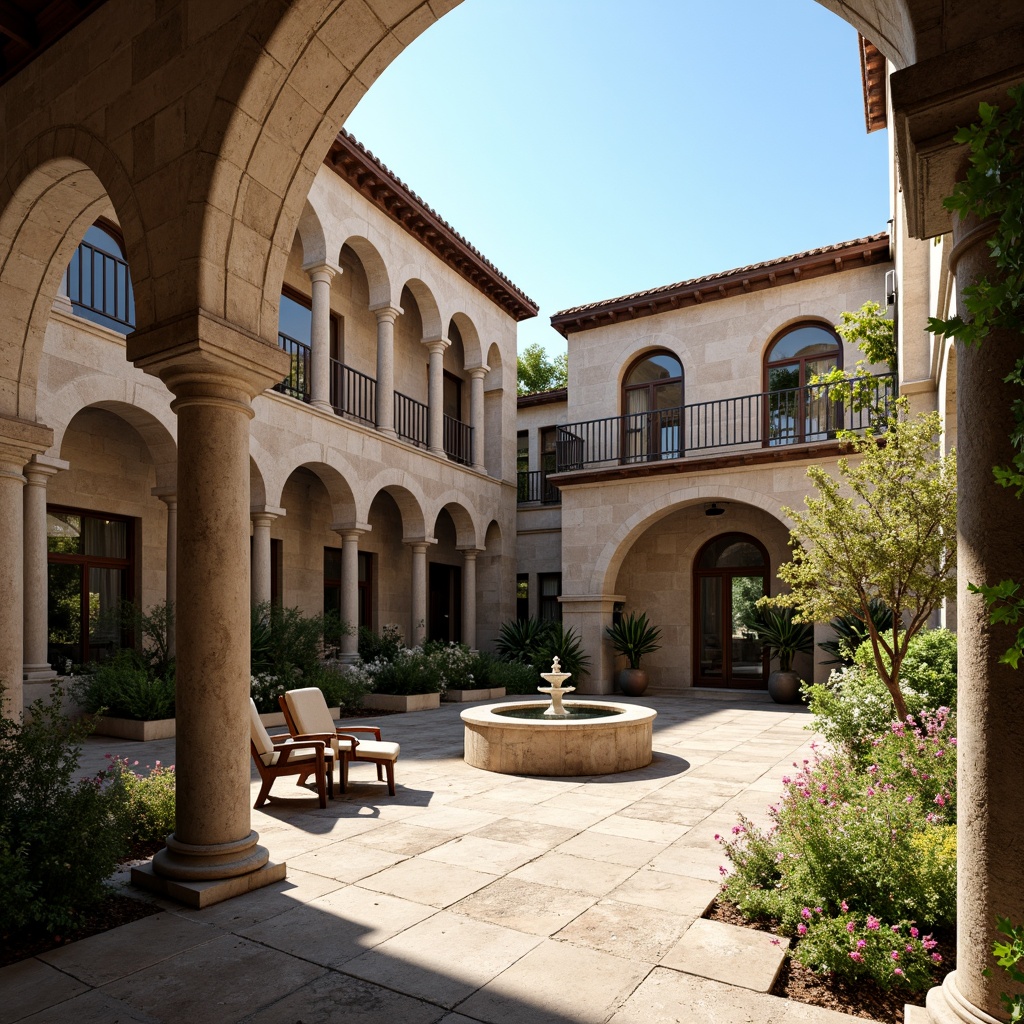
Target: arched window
[
  {"x": 730, "y": 573},
  {"x": 793, "y": 412},
  {"x": 652, "y": 407},
  {"x": 98, "y": 282}
]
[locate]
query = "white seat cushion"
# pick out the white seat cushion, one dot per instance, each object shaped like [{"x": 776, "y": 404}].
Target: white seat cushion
[
  {"x": 380, "y": 749},
  {"x": 309, "y": 711}
]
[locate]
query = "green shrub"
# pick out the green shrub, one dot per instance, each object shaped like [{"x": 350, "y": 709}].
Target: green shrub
[
  {"x": 855, "y": 705},
  {"x": 383, "y": 646},
  {"x": 149, "y": 802},
  {"x": 341, "y": 687},
  {"x": 124, "y": 687},
  {"x": 454, "y": 663},
  {"x": 852, "y": 631},
  {"x": 537, "y": 642},
  {"x": 284, "y": 641},
  {"x": 410, "y": 672},
  {"x": 60, "y": 837},
  {"x": 516, "y": 677},
  {"x": 874, "y": 841}
]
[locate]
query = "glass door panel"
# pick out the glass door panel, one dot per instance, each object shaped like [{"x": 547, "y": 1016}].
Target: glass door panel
[
  {"x": 106, "y": 590},
  {"x": 64, "y": 615},
  {"x": 635, "y": 424},
  {"x": 747, "y": 653},
  {"x": 783, "y": 403},
  {"x": 712, "y": 647},
  {"x": 665, "y": 433}
]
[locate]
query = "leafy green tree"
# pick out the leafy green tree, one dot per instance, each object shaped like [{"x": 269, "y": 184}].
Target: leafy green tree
[
  {"x": 536, "y": 372},
  {"x": 893, "y": 538}
]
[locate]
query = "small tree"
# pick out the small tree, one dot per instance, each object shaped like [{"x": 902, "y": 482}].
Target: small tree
[
  {"x": 894, "y": 539},
  {"x": 536, "y": 372}
]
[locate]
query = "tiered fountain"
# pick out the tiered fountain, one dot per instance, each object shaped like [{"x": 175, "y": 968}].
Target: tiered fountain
[{"x": 577, "y": 737}]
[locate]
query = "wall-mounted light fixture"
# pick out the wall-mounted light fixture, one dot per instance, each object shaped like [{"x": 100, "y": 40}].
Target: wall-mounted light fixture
[{"x": 712, "y": 509}]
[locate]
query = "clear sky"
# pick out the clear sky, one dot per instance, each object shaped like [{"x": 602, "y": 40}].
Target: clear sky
[{"x": 590, "y": 148}]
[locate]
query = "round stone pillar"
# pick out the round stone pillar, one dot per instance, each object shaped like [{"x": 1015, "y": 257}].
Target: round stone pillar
[
  {"x": 320, "y": 277},
  {"x": 170, "y": 499},
  {"x": 261, "y": 568},
  {"x": 36, "y": 582},
  {"x": 476, "y": 415},
  {"x": 419, "y": 590},
  {"x": 469, "y": 597},
  {"x": 385, "y": 389},
  {"x": 350, "y": 590},
  {"x": 990, "y": 711},
  {"x": 435, "y": 396}
]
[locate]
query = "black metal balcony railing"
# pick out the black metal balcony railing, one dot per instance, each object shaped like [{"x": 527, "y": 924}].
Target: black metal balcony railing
[
  {"x": 296, "y": 383},
  {"x": 794, "y": 416},
  {"x": 533, "y": 486},
  {"x": 100, "y": 283},
  {"x": 410, "y": 419},
  {"x": 458, "y": 441},
  {"x": 353, "y": 393}
]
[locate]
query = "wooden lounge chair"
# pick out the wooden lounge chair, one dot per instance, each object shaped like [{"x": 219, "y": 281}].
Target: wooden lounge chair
[
  {"x": 287, "y": 755},
  {"x": 306, "y": 712}
]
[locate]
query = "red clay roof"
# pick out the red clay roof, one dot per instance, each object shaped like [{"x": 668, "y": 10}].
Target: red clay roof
[
  {"x": 352, "y": 161},
  {"x": 829, "y": 259},
  {"x": 872, "y": 77}
]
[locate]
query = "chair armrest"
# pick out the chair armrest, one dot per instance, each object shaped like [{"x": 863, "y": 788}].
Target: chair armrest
[
  {"x": 287, "y": 749},
  {"x": 305, "y": 737},
  {"x": 375, "y": 729},
  {"x": 352, "y": 739}
]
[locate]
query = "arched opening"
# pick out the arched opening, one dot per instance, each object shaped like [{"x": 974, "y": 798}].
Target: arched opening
[
  {"x": 98, "y": 281},
  {"x": 794, "y": 412},
  {"x": 730, "y": 574},
  {"x": 444, "y": 583},
  {"x": 652, "y": 407}
]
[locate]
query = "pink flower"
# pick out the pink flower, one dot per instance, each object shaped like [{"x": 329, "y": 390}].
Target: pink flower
[
  {"x": 914, "y": 933},
  {"x": 817, "y": 910},
  {"x": 843, "y": 907},
  {"x": 894, "y": 928},
  {"x": 872, "y": 768},
  {"x": 910, "y": 949},
  {"x": 873, "y": 923},
  {"x": 722, "y": 870},
  {"x": 898, "y": 971},
  {"x": 776, "y": 942},
  {"x": 856, "y": 957},
  {"x": 861, "y": 943},
  {"x": 718, "y": 838},
  {"x": 801, "y": 929},
  {"x": 936, "y": 958},
  {"x": 894, "y": 955},
  {"x": 940, "y": 800},
  {"x": 786, "y": 780},
  {"x": 806, "y": 913},
  {"x": 870, "y": 791},
  {"x": 851, "y": 926},
  {"x": 910, "y": 799}
]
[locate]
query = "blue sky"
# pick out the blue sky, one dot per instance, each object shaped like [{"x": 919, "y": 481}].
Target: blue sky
[{"x": 591, "y": 148}]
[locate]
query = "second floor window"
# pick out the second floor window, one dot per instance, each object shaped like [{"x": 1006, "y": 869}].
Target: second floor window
[
  {"x": 652, "y": 401},
  {"x": 98, "y": 282},
  {"x": 795, "y": 414}
]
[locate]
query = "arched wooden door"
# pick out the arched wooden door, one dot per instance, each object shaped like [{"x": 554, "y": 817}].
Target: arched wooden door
[{"x": 730, "y": 573}]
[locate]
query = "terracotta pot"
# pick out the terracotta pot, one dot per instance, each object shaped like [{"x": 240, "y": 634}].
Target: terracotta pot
[
  {"x": 632, "y": 681},
  {"x": 784, "y": 687}
]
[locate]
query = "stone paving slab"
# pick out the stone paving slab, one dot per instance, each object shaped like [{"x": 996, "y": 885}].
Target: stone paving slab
[
  {"x": 526, "y": 906},
  {"x": 32, "y": 986},
  {"x": 636, "y": 932},
  {"x": 94, "y": 1007},
  {"x": 429, "y": 883},
  {"x": 579, "y": 874},
  {"x": 726, "y": 952}
]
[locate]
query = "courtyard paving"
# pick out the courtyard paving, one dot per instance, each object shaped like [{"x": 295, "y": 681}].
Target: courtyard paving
[{"x": 468, "y": 897}]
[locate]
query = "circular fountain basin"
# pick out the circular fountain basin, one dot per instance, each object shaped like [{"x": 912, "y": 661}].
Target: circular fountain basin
[{"x": 515, "y": 739}]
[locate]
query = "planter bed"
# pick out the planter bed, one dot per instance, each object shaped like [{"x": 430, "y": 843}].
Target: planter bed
[
  {"x": 397, "y": 702},
  {"x": 462, "y": 696},
  {"x": 164, "y": 728}
]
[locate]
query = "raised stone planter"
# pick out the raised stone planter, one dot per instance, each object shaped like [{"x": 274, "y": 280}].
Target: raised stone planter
[
  {"x": 129, "y": 729},
  {"x": 396, "y": 702},
  {"x": 464, "y": 696}
]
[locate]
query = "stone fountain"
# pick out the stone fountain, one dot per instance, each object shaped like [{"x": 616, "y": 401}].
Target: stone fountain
[{"x": 559, "y": 738}]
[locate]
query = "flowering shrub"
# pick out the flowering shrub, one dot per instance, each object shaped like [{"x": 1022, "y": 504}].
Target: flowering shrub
[
  {"x": 148, "y": 801},
  {"x": 880, "y": 841},
  {"x": 895, "y": 955},
  {"x": 409, "y": 672},
  {"x": 264, "y": 689},
  {"x": 456, "y": 667}
]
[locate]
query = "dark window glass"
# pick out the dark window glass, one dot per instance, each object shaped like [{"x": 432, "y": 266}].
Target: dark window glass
[
  {"x": 522, "y": 451},
  {"x": 728, "y": 551},
  {"x": 522, "y": 596},
  {"x": 549, "y": 585},
  {"x": 295, "y": 319},
  {"x": 98, "y": 281}
]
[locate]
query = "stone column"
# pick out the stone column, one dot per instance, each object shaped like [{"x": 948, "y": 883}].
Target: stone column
[
  {"x": 19, "y": 441},
  {"x": 386, "y": 317},
  {"x": 469, "y": 597},
  {"x": 990, "y": 711},
  {"x": 476, "y": 415},
  {"x": 170, "y": 499},
  {"x": 350, "y": 589},
  {"x": 320, "y": 277},
  {"x": 589, "y": 616},
  {"x": 213, "y": 370},
  {"x": 419, "y": 589},
  {"x": 262, "y": 517},
  {"x": 435, "y": 396},
  {"x": 37, "y": 473}
]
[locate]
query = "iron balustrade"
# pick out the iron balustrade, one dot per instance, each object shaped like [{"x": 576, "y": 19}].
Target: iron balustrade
[
  {"x": 296, "y": 383},
  {"x": 533, "y": 486},
  {"x": 410, "y": 419},
  {"x": 100, "y": 282},
  {"x": 815, "y": 412},
  {"x": 353, "y": 393},
  {"x": 458, "y": 440}
]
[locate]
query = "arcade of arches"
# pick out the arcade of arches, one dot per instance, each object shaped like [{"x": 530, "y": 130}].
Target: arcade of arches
[{"x": 200, "y": 134}]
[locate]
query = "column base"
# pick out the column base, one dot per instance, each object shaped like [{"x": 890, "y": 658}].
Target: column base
[
  {"x": 186, "y": 862},
  {"x": 39, "y": 674},
  {"x": 348, "y": 657},
  {"x": 197, "y": 894},
  {"x": 387, "y": 432},
  {"x": 479, "y": 469},
  {"x": 439, "y": 452},
  {"x": 322, "y": 406},
  {"x": 945, "y": 1005}
]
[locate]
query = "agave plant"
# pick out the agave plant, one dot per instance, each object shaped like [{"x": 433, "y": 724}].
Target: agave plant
[
  {"x": 777, "y": 630},
  {"x": 537, "y": 641},
  {"x": 852, "y": 631},
  {"x": 634, "y": 636},
  {"x": 521, "y": 639}
]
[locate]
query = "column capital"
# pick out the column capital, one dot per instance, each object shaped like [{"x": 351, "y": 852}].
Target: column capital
[
  {"x": 386, "y": 311},
  {"x": 321, "y": 270},
  {"x": 419, "y": 542},
  {"x": 478, "y": 372},
  {"x": 42, "y": 466},
  {"x": 351, "y": 530},
  {"x": 204, "y": 359},
  {"x": 268, "y": 512},
  {"x": 470, "y": 552},
  {"x": 168, "y": 495},
  {"x": 20, "y": 440},
  {"x": 436, "y": 345}
]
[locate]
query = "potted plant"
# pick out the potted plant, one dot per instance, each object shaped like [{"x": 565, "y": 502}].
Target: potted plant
[
  {"x": 633, "y": 636},
  {"x": 783, "y": 637}
]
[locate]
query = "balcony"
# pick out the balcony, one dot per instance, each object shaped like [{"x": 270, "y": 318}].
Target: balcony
[
  {"x": 797, "y": 416},
  {"x": 533, "y": 487},
  {"x": 99, "y": 286}
]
